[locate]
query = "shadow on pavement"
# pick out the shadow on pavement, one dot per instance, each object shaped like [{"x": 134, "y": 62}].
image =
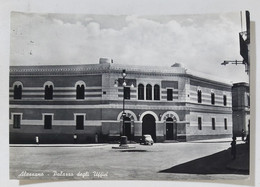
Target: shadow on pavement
[
  {"x": 216, "y": 164},
  {"x": 134, "y": 150}
]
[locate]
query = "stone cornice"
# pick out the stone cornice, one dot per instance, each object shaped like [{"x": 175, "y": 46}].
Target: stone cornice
[{"x": 71, "y": 70}]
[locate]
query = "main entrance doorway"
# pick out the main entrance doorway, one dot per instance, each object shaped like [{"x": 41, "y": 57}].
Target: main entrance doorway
[
  {"x": 148, "y": 126},
  {"x": 171, "y": 129},
  {"x": 128, "y": 128}
]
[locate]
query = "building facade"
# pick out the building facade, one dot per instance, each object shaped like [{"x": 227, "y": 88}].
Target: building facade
[
  {"x": 82, "y": 104},
  {"x": 241, "y": 108}
]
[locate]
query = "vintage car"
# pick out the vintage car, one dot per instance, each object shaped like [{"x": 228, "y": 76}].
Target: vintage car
[{"x": 146, "y": 140}]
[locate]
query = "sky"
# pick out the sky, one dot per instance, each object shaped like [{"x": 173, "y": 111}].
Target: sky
[{"x": 199, "y": 42}]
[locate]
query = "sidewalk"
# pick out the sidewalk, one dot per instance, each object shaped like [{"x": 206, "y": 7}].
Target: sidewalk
[
  {"x": 219, "y": 140},
  {"x": 57, "y": 145}
]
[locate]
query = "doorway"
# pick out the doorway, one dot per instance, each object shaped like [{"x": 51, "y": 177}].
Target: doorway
[
  {"x": 171, "y": 129},
  {"x": 148, "y": 126},
  {"x": 128, "y": 128}
]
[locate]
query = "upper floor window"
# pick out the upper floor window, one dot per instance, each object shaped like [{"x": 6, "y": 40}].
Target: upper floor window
[
  {"x": 48, "y": 92},
  {"x": 225, "y": 100},
  {"x": 80, "y": 92},
  {"x": 48, "y": 89},
  {"x": 156, "y": 92},
  {"x": 140, "y": 92},
  {"x": 126, "y": 92},
  {"x": 148, "y": 92},
  {"x": 212, "y": 98},
  {"x": 18, "y": 91},
  {"x": 169, "y": 95},
  {"x": 199, "y": 96}
]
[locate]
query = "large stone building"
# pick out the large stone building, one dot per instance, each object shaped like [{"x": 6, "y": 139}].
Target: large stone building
[{"x": 78, "y": 103}]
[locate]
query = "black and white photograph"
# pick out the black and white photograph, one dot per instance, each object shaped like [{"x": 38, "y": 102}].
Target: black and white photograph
[{"x": 129, "y": 97}]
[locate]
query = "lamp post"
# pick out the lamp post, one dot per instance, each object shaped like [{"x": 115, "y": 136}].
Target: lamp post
[
  {"x": 124, "y": 114},
  {"x": 123, "y": 140}
]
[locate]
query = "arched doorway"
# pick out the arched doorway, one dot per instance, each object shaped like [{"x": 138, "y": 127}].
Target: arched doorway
[
  {"x": 148, "y": 126},
  {"x": 128, "y": 128},
  {"x": 171, "y": 129}
]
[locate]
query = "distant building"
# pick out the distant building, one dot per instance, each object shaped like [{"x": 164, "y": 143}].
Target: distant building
[
  {"x": 241, "y": 108},
  {"x": 80, "y": 104}
]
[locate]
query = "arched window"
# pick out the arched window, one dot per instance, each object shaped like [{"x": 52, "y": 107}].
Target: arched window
[
  {"x": 148, "y": 92},
  {"x": 48, "y": 92},
  {"x": 212, "y": 98},
  {"x": 140, "y": 92},
  {"x": 225, "y": 100},
  {"x": 80, "y": 92},
  {"x": 18, "y": 92},
  {"x": 199, "y": 96},
  {"x": 156, "y": 92}
]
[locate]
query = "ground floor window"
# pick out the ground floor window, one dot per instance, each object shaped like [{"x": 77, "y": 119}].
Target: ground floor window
[
  {"x": 47, "y": 121},
  {"x": 17, "y": 121},
  {"x": 79, "y": 122},
  {"x": 199, "y": 123},
  {"x": 225, "y": 123},
  {"x": 213, "y": 124}
]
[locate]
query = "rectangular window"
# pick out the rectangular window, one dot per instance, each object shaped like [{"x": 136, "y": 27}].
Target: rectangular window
[
  {"x": 225, "y": 123},
  {"x": 199, "y": 123},
  {"x": 225, "y": 100},
  {"x": 47, "y": 121},
  {"x": 17, "y": 121},
  {"x": 212, "y": 98},
  {"x": 199, "y": 96},
  {"x": 213, "y": 124},
  {"x": 248, "y": 99},
  {"x": 127, "y": 92},
  {"x": 80, "y": 122},
  {"x": 169, "y": 94}
]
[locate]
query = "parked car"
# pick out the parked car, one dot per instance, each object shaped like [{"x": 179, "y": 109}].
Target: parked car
[{"x": 146, "y": 140}]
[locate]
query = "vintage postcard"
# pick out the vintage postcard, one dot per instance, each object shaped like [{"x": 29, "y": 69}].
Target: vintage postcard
[{"x": 129, "y": 97}]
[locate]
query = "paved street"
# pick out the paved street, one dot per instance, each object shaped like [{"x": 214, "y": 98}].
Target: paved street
[{"x": 100, "y": 161}]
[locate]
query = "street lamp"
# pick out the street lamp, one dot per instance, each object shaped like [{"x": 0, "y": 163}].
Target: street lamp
[
  {"x": 124, "y": 114},
  {"x": 124, "y": 84}
]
